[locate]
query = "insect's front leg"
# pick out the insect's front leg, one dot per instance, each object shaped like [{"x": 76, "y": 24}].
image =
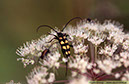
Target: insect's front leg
[
  {"x": 71, "y": 45},
  {"x": 66, "y": 35},
  {"x": 52, "y": 38}
]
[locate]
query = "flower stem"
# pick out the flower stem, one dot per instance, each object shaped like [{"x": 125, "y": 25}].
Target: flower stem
[
  {"x": 96, "y": 52},
  {"x": 85, "y": 74},
  {"x": 104, "y": 77},
  {"x": 61, "y": 81},
  {"x": 92, "y": 52}
]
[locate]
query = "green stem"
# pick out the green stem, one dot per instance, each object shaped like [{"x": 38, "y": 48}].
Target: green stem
[
  {"x": 96, "y": 52},
  {"x": 61, "y": 81}
]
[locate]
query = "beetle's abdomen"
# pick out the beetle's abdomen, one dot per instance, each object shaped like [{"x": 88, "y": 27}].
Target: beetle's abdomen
[{"x": 64, "y": 46}]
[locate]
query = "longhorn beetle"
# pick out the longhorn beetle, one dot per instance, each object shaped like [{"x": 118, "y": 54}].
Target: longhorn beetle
[{"x": 62, "y": 39}]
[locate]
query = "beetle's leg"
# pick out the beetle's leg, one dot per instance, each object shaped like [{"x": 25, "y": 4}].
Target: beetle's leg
[
  {"x": 53, "y": 35},
  {"x": 52, "y": 38},
  {"x": 66, "y": 68},
  {"x": 66, "y": 34},
  {"x": 71, "y": 45}
]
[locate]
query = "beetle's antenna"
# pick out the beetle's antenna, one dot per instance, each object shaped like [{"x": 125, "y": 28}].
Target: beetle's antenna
[
  {"x": 70, "y": 21},
  {"x": 45, "y": 26}
]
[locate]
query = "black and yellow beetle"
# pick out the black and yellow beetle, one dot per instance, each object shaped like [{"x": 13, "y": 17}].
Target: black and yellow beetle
[{"x": 62, "y": 39}]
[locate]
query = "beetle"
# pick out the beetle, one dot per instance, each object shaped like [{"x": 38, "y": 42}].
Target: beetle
[
  {"x": 45, "y": 52},
  {"x": 62, "y": 39}
]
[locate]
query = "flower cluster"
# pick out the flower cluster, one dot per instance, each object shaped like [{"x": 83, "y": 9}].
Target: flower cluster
[
  {"x": 100, "y": 52},
  {"x": 79, "y": 80},
  {"x": 39, "y": 76},
  {"x": 125, "y": 76},
  {"x": 12, "y": 82}
]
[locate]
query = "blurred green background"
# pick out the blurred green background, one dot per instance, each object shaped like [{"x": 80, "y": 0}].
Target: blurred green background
[{"x": 20, "y": 18}]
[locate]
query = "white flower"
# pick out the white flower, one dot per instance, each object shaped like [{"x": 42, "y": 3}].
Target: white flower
[
  {"x": 81, "y": 48},
  {"x": 51, "y": 77},
  {"x": 125, "y": 58},
  {"x": 52, "y": 60},
  {"x": 80, "y": 80},
  {"x": 98, "y": 48},
  {"x": 97, "y": 38},
  {"x": 26, "y": 61},
  {"x": 39, "y": 75},
  {"x": 32, "y": 50},
  {"x": 117, "y": 75},
  {"x": 96, "y": 71},
  {"x": 107, "y": 65},
  {"x": 64, "y": 59},
  {"x": 79, "y": 63},
  {"x": 126, "y": 44},
  {"x": 108, "y": 50},
  {"x": 12, "y": 82},
  {"x": 74, "y": 73},
  {"x": 125, "y": 76},
  {"x": 89, "y": 66}
]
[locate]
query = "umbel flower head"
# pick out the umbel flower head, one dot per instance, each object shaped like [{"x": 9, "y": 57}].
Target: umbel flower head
[
  {"x": 12, "y": 82},
  {"x": 100, "y": 52}
]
